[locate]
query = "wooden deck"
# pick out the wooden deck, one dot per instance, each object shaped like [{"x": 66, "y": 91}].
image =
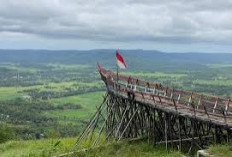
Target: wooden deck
[{"x": 210, "y": 109}]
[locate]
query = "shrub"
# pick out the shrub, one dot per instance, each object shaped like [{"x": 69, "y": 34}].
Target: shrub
[{"x": 6, "y": 133}]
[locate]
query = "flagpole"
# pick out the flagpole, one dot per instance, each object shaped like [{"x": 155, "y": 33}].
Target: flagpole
[{"x": 117, "y": 73}]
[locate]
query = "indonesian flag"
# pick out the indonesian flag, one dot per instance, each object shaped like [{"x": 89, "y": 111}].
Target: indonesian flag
[{"x": 120, "y": 61}]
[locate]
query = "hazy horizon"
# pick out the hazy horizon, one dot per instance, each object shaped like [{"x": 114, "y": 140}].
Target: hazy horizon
[{"x": 113, "y": 50}]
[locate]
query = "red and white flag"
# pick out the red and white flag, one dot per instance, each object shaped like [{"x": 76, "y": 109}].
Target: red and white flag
[{"x": 120, "y": 61}]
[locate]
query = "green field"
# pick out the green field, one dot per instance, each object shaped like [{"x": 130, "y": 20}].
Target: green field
[
  {"x": 214, "y": 83},
  {"x": 88, "y": 101},
  {"x": 9, "y": 93},
  {"x": 219, "y": 66}
]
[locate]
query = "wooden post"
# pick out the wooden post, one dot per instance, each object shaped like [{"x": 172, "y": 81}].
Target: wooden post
[
  {"x": 128, "y": 124},
  {"x": 165, "y": 130}
]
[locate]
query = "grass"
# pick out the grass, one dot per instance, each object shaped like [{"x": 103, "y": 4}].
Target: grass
[
  {"x": 126, "y": 149},
  {"x": 223, "y": 150},
  {"x": 44, "y": 147},
  {"x": 52, "y": 147}
]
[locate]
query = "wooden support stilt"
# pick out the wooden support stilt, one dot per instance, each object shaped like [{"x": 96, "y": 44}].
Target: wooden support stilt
[
  {"x": 179, "y": 133},
  {"x": 127, "y": 124},
  {"x": 90, "y": 124},
  {"x": 165, "y": 132},
  {"x": 121, "y": 121},
  {"x": 103, "y": 125}
]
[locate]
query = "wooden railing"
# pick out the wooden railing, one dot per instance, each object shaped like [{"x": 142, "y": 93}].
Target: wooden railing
[{"x": 194, "y": 102}]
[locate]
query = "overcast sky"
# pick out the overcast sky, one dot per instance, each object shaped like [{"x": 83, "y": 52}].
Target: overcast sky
[{"x": 167, "y": 25}]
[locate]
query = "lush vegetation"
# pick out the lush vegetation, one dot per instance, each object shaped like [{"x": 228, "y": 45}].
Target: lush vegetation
[
  {"x": 223, "y": 150},
  {"x": 52, "y": 147},
  {"x": 43, "y": 147},
  {"x": 127, "y": 149},
  {"x": 52, "y": 94}
]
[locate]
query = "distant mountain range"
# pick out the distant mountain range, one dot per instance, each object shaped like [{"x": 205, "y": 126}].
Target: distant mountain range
[{"x": 134, "y": 58}]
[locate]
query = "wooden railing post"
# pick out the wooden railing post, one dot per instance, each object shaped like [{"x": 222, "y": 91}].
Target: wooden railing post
[{"x": 215, "y": 105}]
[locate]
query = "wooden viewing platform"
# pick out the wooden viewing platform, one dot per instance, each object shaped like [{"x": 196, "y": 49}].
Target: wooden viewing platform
[
  {"x": 211, "y": 109},
  {"x": 136, "y": 109}
]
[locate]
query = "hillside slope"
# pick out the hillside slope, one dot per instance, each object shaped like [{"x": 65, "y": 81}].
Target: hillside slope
[{"x": 53, "y": 147}]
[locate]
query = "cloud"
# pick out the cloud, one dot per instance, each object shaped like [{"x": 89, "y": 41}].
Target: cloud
[{"x": 172, "y": 21}]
